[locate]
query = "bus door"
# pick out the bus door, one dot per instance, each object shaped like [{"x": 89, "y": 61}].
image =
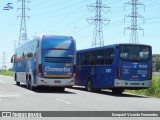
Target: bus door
[{"x": 109, "y": 62}]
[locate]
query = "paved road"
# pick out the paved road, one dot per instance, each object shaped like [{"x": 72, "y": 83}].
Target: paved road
[
  {"x": 18, "y": 98},
  {"x": 156, "y": 73}
]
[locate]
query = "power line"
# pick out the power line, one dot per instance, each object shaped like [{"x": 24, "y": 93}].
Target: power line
[
  {"x": 98, "y": 21},
  {"x": 45, "y": 5},
  {"x": 60, "y": 9}
]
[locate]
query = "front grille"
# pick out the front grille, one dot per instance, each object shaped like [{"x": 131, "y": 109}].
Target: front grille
[{"x": 58, "y": 59}]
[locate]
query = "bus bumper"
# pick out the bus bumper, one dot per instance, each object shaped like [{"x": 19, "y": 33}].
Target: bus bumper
[
  {"x": 55, "y": 82},
  {"x": 130, "y": 84}
]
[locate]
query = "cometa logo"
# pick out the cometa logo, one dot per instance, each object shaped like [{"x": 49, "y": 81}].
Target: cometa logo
[{"x": 50, "y": 69}]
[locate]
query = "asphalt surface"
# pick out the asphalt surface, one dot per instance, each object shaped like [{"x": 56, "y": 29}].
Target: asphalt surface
[{"x": 19, "y": 98}]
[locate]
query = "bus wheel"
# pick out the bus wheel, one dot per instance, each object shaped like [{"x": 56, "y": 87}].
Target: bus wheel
[
  {"x": 89, "y": 86},
  {"x": 28, "y": 84},
  {"x": 61, "y": 89},
  {"x": 31, "y": 87},
  {"x": 17, "y": 83},
  {"x": 117, "y": 91}
]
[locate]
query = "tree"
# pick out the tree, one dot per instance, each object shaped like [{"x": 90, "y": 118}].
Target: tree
[
  {"x": 156, "y": 62},
  {"x": 157, "y": 65}
]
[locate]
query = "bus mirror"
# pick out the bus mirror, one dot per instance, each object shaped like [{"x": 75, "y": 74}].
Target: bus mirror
[{"x": 12, "y": 59}]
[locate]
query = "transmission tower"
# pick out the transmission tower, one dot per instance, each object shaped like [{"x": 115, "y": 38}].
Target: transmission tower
[
  {"x": 99, "y": 8},
  {"x": 134, "y": 25},
  {"x": 23, "y": 29}
]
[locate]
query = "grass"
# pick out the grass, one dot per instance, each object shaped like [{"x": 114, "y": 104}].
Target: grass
[
  {"x": 6, "y": 73},
  {"x": 153, "y": 91}
]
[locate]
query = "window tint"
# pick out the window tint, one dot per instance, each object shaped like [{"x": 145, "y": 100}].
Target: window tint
[
  {"x": 27, "y": 50},
  {"x": 100, "y": 57},
  {"x": 109, "y": 56},
  {"x": 134, "y": 53},
  {"x": 96, "y": 57}
]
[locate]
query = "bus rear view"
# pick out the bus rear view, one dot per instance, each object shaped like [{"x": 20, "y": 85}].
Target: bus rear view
[
  {"x": 57, "y": 64},
  {"x": 134, "y": 66}
]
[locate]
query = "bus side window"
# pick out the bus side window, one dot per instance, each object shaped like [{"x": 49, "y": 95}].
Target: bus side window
[
  {"x": 29, "y": 49},
  {"x": 82, "y": 59},
  {"x": 35, "y": 47},
  {"x": 100, "y": 57},
  {"x": 20, "y": 53},
  {"x": 93, "y": 58},
  {"x": 78, "y": 59},
  {"x": 87, "y": 57},
  {"x": 90, "y": 58},
  {"x": 37, "y": 44},
  {"x": 109, "y": 56}
]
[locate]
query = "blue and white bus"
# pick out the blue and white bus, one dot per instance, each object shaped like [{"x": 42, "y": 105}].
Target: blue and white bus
[
  {"x": 116, "y": 67},
  {"x": 46, "y": 61}
]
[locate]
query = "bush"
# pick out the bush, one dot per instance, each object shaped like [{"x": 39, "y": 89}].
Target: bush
[
  {"x": 7, "y": 73},
  {"x": 153, "y": 91}
]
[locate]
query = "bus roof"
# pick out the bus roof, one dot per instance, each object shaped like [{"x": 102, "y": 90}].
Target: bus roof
[
  {"x": 50, "y": 36},
  {"x": 110, "y": 46},
  {"x": 40, "y": 37}
]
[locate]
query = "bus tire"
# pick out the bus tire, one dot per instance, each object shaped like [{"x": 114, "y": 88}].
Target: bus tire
[
  {"x": 117, "y": 91},
  {"x": 31, "y": 87},
  {"x": 89, "y": 86},
  {"x": 61, "y": 89},
  {"x": 28, "y": 84},
  {"x": 17, "y": 83}
]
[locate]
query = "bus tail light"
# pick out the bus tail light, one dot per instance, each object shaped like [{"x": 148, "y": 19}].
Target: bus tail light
[
  {"x": 150, "y": 73},
  {"x": 118, "y": 72},
  {"x": 74, "y": 71},
  {"x": 40, "y": 73}
]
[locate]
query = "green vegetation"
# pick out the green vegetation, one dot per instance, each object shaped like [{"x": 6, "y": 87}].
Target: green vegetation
[
  {"x": 7, "y": 72},
  {"x": 153, "y": 91},
  {"x": 156, "y": 62}
]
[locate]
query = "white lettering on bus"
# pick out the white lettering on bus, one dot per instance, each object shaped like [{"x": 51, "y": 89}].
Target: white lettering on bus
[
  {"x": 47, "y": 68},
  {"x": 143, "y": 66}
]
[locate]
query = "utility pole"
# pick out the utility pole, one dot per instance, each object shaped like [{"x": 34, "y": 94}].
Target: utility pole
[
  {"x": 23, "y": 28},
  {"x": 134, "y": 23},
  {"x": 4, "y": 59},
  {"x": 99, "y": 8}
]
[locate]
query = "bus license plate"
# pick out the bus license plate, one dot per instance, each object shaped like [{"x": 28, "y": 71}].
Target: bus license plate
[{"x": 57, "y": 81}]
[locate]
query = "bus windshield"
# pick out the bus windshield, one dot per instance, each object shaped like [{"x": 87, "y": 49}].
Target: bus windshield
[{"x": 134, "y": 53}]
